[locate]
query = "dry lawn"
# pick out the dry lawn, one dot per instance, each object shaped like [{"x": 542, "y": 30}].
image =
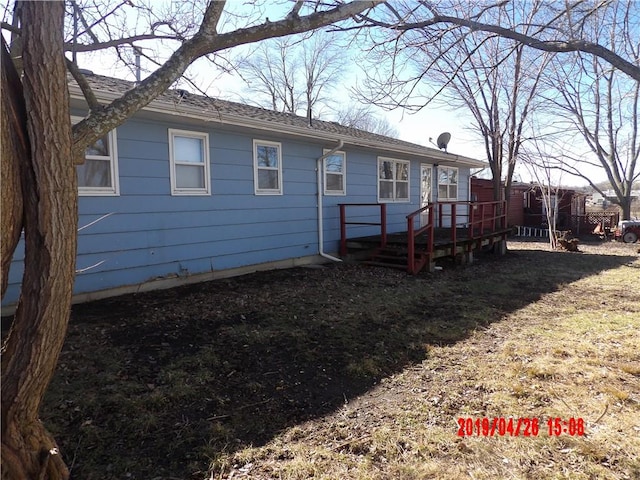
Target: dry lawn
[
  {"x": 572, "y": 353},
  {"x": 351, "y": 372}
]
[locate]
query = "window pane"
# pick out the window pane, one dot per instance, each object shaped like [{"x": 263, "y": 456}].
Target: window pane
[
  {"x": 442, "y": 191},
  {"x": 386, "y": 189},
  {"x": 101, "y": 147},
  {"x": 402, "y": 171},
  {"x": 334, "y": 163},
  {"x": 402, "y": 190},
  {"x": 453, "y": 176},
  {"x": 268, "y": 179},
  {"x": 188, "y": 176},
  {"x": 188, "y": 149},
  {"x": 267, "y": 156},
  {"x": 334, "y": 182},
  {"x": 94, "y": 173},
  {"x": 385, "y": 171},
  {"x": 453, "y": 191},
  {"x": 443, "y": 176}
]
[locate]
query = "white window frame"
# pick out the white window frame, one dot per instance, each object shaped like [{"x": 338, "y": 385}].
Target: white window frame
[
  {"x": 204, "y": 137},
  {"x": 448, "y": 184},
  {"x": 256, "y": 168},
  {"x": 394, "y": 180},
  {"x": 343, "y": 173},
  {"x": 112, "y": 158}
]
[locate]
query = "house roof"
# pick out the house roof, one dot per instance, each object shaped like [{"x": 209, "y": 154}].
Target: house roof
[{"x": 208, "y": 109}]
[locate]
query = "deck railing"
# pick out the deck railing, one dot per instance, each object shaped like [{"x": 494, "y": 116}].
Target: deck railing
[
  {"x": 491, "y": 215},
  {"x": 418, "y": 259},
  {"x": 479, "y": 220},
  {"x": 343, "y": 223},
  {"x": 482, "y": 218}
]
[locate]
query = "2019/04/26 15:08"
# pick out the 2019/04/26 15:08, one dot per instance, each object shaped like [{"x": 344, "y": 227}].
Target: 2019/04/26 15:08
[{"x": 514, "y": 427}]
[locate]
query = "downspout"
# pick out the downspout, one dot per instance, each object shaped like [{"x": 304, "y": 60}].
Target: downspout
[{"x": 320, "y": 192}]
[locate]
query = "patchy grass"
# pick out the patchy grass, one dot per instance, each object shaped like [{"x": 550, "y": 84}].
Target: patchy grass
[{"x": 360, "y": 373}]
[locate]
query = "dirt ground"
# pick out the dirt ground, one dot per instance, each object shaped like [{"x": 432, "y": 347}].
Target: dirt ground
[{"x": 164, "y": 384}]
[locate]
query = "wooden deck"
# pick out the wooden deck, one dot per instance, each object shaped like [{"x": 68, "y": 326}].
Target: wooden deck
[
  {"x": 418, "y": 248},
  {"x": 370, "y": 250}
]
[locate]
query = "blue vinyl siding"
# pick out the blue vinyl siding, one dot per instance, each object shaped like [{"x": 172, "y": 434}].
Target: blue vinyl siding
[{"x": 151, "y": 234}]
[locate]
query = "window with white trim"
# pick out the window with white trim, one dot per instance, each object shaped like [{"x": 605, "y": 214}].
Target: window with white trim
[
  {"x": 393, "y": 180},
  {"x": 189, "y": 162},
  {"x": 447, "y": 184},
  {"x": 267, "y": 168},
  {"x": 335, "y": 170},
  {"x": 98, "y": 175}
]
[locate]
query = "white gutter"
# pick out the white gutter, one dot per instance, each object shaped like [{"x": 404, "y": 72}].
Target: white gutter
[{"x": 320, "y": 193}]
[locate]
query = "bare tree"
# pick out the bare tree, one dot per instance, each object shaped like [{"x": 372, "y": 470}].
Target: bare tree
[
  {"x": 601, "y": 105},
  {"x": 558, "y": 28},
  {"x": 47, "y": 188},
  {"x": 362, "y": 117},
  {"x": 295, "y": 74},
  {"x": 493, "y": 78},
  {"x": 539, "y": 160}
]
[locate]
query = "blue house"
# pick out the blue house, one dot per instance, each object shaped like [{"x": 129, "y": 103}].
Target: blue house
[{"x": 193, "y": 188}]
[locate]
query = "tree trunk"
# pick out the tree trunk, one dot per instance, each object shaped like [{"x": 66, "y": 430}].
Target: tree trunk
[
  {"x": 50, "y": 223},
  {"x": 14, "y": 153},
  {"x": 626, "y": 208}
]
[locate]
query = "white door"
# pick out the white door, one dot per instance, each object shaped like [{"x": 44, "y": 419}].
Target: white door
[{"x": 425, "y": 190}]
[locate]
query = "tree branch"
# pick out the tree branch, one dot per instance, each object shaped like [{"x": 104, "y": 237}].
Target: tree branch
[
  {"x": 202, "y": 43},
  {"x": 212, "y": 17},
  {"x": 80, "y": 79},
  {"x": 557, "y": 46},
  {"x": 117, "y": 42},
  {"x": 10, "y": 28}
]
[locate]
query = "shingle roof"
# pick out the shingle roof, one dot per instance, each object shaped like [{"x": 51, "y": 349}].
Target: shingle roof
[{"x": 224, "y": 111}]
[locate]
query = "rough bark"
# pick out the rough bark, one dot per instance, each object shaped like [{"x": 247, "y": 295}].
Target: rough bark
[
  {"x": 14, "y": 152},
  {"x": 50, "y": 223}
]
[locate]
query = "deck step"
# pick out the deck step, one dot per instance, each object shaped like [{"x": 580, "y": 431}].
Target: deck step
[
  {"x": 402, "y": 258},
  {"x": 385, "y": 264}
]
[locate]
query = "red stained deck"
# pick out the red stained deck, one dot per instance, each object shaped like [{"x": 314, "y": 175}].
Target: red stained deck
[{"x": 474, "y": 226}]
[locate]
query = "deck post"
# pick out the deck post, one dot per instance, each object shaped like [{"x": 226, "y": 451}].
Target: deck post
[
  {"x": 494, "y": 217},
  {"x": 454, "y": 229},
  {"x": 464, "y": 258},
  {"x": 500, "y": 247},
  {"x": 383, "y": 224},
  {"x": 343, "y": 230},
  {"x": 472, "y": 215},
  {"x": 411, "y": 257},
  {"x": 431, "y": 233},
  {"x": 483, "y": 214}
]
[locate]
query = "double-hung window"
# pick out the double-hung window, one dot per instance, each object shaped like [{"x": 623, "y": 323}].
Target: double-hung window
[
  {"x": 335, "y": 168},
  {"x": 447, "y": 184},
  {"x": 189, "y": 162},
  {"x": 98, "y": 175},
  {"x": 393, "y": 180},
  {"x": 267, "y": 168}
]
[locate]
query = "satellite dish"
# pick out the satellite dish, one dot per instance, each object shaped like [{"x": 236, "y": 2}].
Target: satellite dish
[{"x": 443, "y": 140}]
